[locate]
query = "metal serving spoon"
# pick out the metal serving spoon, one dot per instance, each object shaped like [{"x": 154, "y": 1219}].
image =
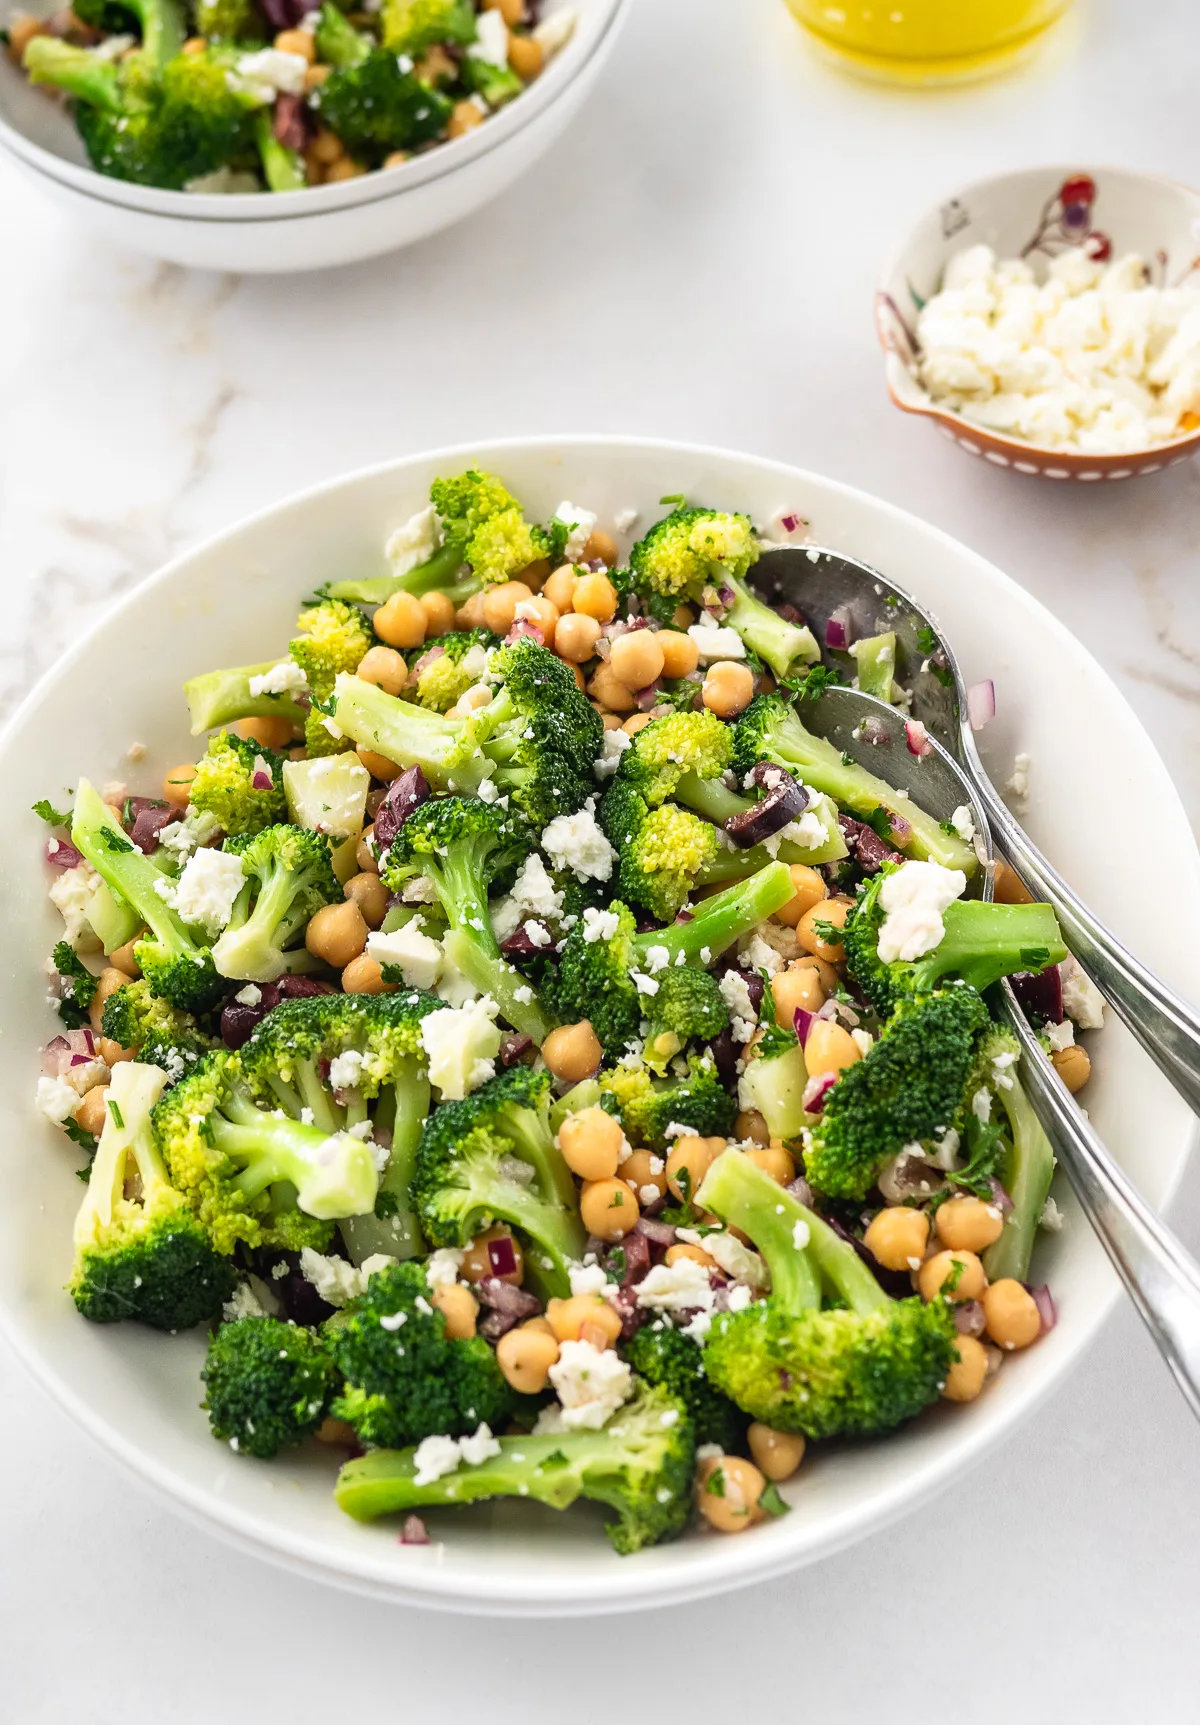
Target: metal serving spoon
[
  {"x": 831, "y": 588},
  {"x": 1162, "y": 1279}
]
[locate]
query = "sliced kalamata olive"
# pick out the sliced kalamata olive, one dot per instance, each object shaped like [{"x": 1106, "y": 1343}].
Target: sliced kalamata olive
[
  {"x": 1040, "y": 994},
  {"x": 513, "y": 1047},
  {"x": 790, "y": 614},
  {"x": 724, "y": 1051},
  {"x": 894, "y": 1282},
  {"x": 292, "y": 122},
  {"x": 500, "y": 1296},
  {"x": 784, "y": 799},
  {"x": 240, "y": 1018},
  {"x": 521, "y": 944},
  {"x": 62, "y": 854},
  {"x": 148, "y": 822},
  {"x": 299, "y": 1299},
  {"x": 404, "y": 794}
]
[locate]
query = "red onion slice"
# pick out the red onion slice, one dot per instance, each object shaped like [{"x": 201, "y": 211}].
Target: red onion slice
[
  {"x": 56, "y": 1057},
  {"x": 1044, "y": 1301},
  {"x": 648, "y": 697},
  {"x": 802, "y": 1022},
  {"x": 414, "y": 1532},
  {"x": 522, "y": 629},
  {"x": 502, "y": 1256},
  {"x": 816, "y": 1090},
  {"x": 261, "y": 778},
  {"x": 981, "y": 703},
  {"x": 969, "y": 1318},
  {"x": 428, "y": 658},
  {"x": 801, "y": 1191},
  {"x": 658, "y": 1233},
  {"x": 1000, "y": 1197},
  {"x": 917, "y": 738},
  {"x": 901, "y": 829},
  {"x": 837, "y": 630},
  {"x": 62, "y": 855},
  {"x": 791, "y": 523}
]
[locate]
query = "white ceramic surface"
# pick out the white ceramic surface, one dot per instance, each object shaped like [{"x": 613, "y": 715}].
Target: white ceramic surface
[
  {"x": 137, "y": 1392},
  {"x": 1035, "y": 214},
  {"x": 320, "y": 226}
]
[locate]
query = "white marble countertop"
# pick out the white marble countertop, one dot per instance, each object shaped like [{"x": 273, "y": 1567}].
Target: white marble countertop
[{"x": 695, "y": 264}]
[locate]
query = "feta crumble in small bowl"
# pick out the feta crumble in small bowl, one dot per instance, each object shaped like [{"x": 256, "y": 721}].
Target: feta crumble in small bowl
[{"x": 1049, "y": 321}]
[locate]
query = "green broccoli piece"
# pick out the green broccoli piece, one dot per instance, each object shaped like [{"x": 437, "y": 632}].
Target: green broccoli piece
[
  {"x": 146, "y": 1257},
  {"x": 159, "y": 1033},
  {"x": 379, "y": 105},
  {"x": 76, "y": 985},
  {"x": 769, "y": 730},
  {"x": 856, "y": 1370},
  {"x": 405, "y": 1379},
  {"x": 223, "y": 697},
  {"x": 228, "y": 21},
  {"x": 159, "y": 23},
  {"x": 459, "y": 663},
  {"x": 463, "y": 845},
  {"x": 288, "y": 879},
  {"x": 648, "y": 1107},
  {"x": 663, "y": 853},
  {"x": 1026, "y": 1164},
  {"x": 333, "y": 638},
  {"x": 467, "y": 1176},
  {"x": 412, "y": 26},
  {"x": 639, "y": 1464},
  {"x": 667, "y": 751},
  {"x": 908, "y": 1089},
  {"x": 225, "y": 785},
  {"x": 689, "y": 1006},
  {"x": 597, "y": 979},
  {"x": 982, "y": 943},
  {"x": 283, "y": 168},
  {"x": 700, "y": 555},
  {"x": 875, "y": 659},
  {"x": 174, "y": 965},
  {"x": 667, "y": 1358},
  {"x": 497, "y": 85},
  {"x": 268, "y": 1385}
]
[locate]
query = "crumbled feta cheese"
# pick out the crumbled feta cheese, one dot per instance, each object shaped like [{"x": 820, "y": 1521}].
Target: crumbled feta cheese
[
  {"x": 1082, "y": 1000},
  {"x": 442, "y": 1266},
  {"x": 738, "y": 1261},
  {"x": 336, "y": 1280},
  {"x": 285, "y": 678},
  {"x": 491, "y": 42},
  {"x": 537, "y": 935},
  {"x": 1051, "y": 1218},
  {"x": 479, "y": 1447},
  {"x": 963, "y": 822},
  {"x": 244, "y": 1302},
  {"x": 715, "y": 642},
  {"x": 643, "y": 983},
  {"x": 462, "y": 1046},
  {"x": 735, "y": 992},
  {"x": 70, "y": 893},
  {"x": 552, "y": 36},
  {"x": 759, "y": 954},
  {"x": 437, "y": 1455},
  {"x": 913, "y": 899},
  {"x": 180, "y": 838},
  {"x": 698, "y": 1327},
  {"x": 800, "y": 1234},
  {"x": 415, "y": 542},
  {"x": 591, "y": 1384},
  {"x": 862, "y": 1040},
  {"x": 1017, "y": 784},
  {"x": 210, "y": 883},
  {"x": 265, "y": 73},
  {"x": 533, "y": 895},
  {"x": 676, "y": 1287},
  {"x": 588, "y": 1279},
  {"x": 345, "y": 1069},
  {"x": 57, "y": 1098},
  {"x": 599, "y": 924},
  {"x": 1059, "y": 1036},
  {"x": 418, "y": 958},
  {"x": 657, "y": 958},
  {"x": 581, "y": 522},
  {"x": 576, "y": 841},
  {"x": 612, "y": 746},
  {"x": 251, "y": 995},
  {"x": 981, "y": 1105}
]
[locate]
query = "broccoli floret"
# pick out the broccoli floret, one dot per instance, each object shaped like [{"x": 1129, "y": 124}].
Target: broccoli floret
[
  {"x": 663, "y": 853},
  {"x": 228, "y": 21},
  {"x": 463, "y": 845},
  {"x": 675, "y": 1362},
  {"x": 689, "y": 1006},
  {"x": 222, "y": 697},
  {"x": 667, "y": 750},
  {"x": 333, "y": 638},
  {"x": 1026, "y": 1164},
  {"x": 857, "y": 1370},
  {"x": 908, "y": 1089},
  {"x": 268, "y": 1385},
  {"x": 982, "y": 943},
  {"x": 411, "y": 26},
  {"x": 497, "y": 85},
  {"x": 598, "y": 979},
  {"x": 639, "y": 1464},
  {"x": 377, "y": 105},
  {"x": 875, "y": 659},
  {"x": 283, "y": 168},
  {"x": 769, "y": 730},
  {"x": 405, "y": 1379},
  {"x": 701, "y": 554},
  {"x": 231, "y": 784},
  {"x": 174, "y": 965},
  {"x": 535, "y": 740},
  {"x": 648, "y": 1107},
  {"x": 159, "y": 1033},
  {"x": 76, "y": 985},
  {"x": 460, "y": 662},
  {"x": 159, "y": 23},
  {"x": 468, "y": 1174},
  {"x": 288, "y": 879},
  {"x": 145, "y": 1257}
]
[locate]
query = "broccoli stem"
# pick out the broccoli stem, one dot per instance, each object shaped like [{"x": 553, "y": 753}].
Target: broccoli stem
[
  {"x": 723, "y": 919},
  {"x": 409, "y": 734},
  {"x": 985, "y": 941},
  {"x": 711, "y": 798},
  {"x": 439, "y": 573},
  {"x": 77, "y": 71},
  {"x": 744, "y": 1197},
  {"x": 494, "y": 976},
  {"x": 783, "y": 646},
  {"x": 96, "y": 832},
  {"x": 126, "y": 1132},
  {"x": 163, "y": 29},
  {"x": 222, "y": 697},
  {"x": 403, "y": 1108},
  {"x": 339, "y": 44},
  {"x": 547, "y": 1468},
  {"x": 1026, "y": 1175},
  {"x": 283, "y": 168},
  {"x": 272, "y": 1149},
  {"x": 717, "y": 803},
  {"x": 776, "y": 1086}
]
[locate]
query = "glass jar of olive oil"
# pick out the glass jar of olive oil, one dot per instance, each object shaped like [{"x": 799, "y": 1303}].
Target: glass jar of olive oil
[{"x": 927, "y": 41}]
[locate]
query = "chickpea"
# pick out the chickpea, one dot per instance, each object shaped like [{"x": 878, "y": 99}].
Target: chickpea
[
  {"x": 559, "y": 588},
  {"x": 697, "y": 1254},
  {"x": 1011, "y": 1314},
  {"x": 297, "y": 42},
  {"x": 464, "y": 118},
  {"x": 111, "y": 1052},
  {"x": 439, "y": 614},
  {"x": 831, "y": 910},
  {"x": 830, "y": 1048},
  {"x": 647, "y": 1174},
  {"x": 400, "y": 621},
  {"x": 525, "y": 1356},
  {"x": 935, "y": 1272},
  {"x": 601, "y": 547},
  {"x": 573, "y": 1051},
  {"x": 636, "y": 659},
  {"x": 458, "y": 1306},
  {"x": 470, "y": 613},
  {"x": 575, "y": 638},
  {"x": 728, "y": 688},
  {"x": 500, "y": 605},
  {"x": 542, "y": 615},
  {"x": 968, "y": 1224},
  {"x": 364, "y": 856},
  {"x": 379, "y": 766},
  {"x": 395, "y": 159},
  {"x": 778, "y": 1454},
  {"x": 682, "y": 617},
  {"x": 795, "y": 988},
  {"x": 591, "y": 1142},
  {"x": 271, "y": 732},
  {"x": 679, "y": 651},
  {"x": 610, "y": 692},
  {"x": 569, "y": 1318},
  {"x": 110, "y": 980},
  {"x": 727, "y": 1491},
  {"x": 898, "y": 1237},
  {"x": 326, "y": 148},
  {"x": 21, "y": 32},
  {"x": 343, "y": 169},
  {"x": 1073, "y": 1066},
  {"x": 751, "y": 1124},
  {"x": 337, "y": 1432},
  {"x": 363, "y": 975},
  {"x": 471, "y": 700},
  {"x": 315, "y": 76},
  {"x": 611, "y": 721},
  {"x": 177, "y": 785},
  {"x": 477, "y": 1265},
  {"x": 826, "y": 975},
  {"x": 595, "y": 596},
  {"x": 93, "y": 1110},
  {"x": 774, "y": 1160},
  {"x": 384, "y": 667},
  {"x": 808, "y": 889},
  {"x": 1007, "y": 885},
  {"x": 636, "y": 722},
  {"x": 526, "y": 58},
  {"x": 370, "y": 895},
  {"x": 435, "y": 66},
  {"x": 337, "y": 933},
  {"x": 122, "y": 958},
  {"x": 688, "y": 1162},
  {"x": 966, "y": 1376},
  {"x": 609, "y": 1209}
]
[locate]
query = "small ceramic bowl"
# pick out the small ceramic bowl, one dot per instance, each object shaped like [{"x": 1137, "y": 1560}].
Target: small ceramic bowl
[
  {"x": 319, "y": 226},
  {"x": 1036, "y": 214}
]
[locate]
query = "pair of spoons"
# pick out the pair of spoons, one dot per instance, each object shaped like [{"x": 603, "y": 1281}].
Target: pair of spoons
[{"x": 842, "y": 599}]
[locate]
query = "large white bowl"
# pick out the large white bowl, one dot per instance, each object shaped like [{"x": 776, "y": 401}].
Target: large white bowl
[
  {"x": 234, "y": 601},
  {"x": 320, "y": 226}
]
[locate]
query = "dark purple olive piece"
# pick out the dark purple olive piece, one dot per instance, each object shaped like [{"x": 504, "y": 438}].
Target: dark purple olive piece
[
  {"x": 724, "y": 1051},
  {"x": 405, "y": 794},
  {"x": 1040, "y": 994},
  {"x": 784, "y": 799},
  {"x": 520, "y": 945},
  {"x": 514, "y": 1047},
  {"x": 239, "y": 1019},
  {"x": 300, "y": 1300},
  {"x": 148, "y": 822},
  {"x": 292, "y": 124},
  {"x": 894, "y": 1282}
]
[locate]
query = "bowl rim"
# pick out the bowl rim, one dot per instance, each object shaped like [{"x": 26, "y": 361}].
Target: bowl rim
[
  {"x": 1020, "y": 453},
  {"x": 554, "y": 84},
  {"x": 725, "y": 1564}
]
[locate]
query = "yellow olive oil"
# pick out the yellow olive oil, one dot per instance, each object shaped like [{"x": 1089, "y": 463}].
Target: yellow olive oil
[{"x": 927, "y": 41}]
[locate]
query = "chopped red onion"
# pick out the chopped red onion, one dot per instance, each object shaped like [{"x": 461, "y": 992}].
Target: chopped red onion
[
  {"x": 816, "y": 1090},
  {"x": 837, "y": 630},
  {"x": 969, "y": 1318},
  {"x": 917, "y": 738},
  {"x": 790, "y": 523},
  {"x": 1000, "y": 1197},
  {"x": 658, "y": 1233},
  {"x": 414, "y": 1532},
  {"x": 62, "y": 854},
  {"x": 523, "y": 628},
  {"x": 685, "y": 916},
  {"x": 1044, "y": 1301},
  {"x": 502, "y": 1256},
  {"x": 981, "y": 703},
  {"x": 801, "y": 1191},
  {"x": 901, "y": 829},
  {"x": 56, "y": 1057},
  {"x": 430, "y": 657},
  {"x": 647, "y": 697},
  {"x": 802, "y": 1021},
  {"x": 262, "y": 779},
  {"x": 875, "y": 732}
]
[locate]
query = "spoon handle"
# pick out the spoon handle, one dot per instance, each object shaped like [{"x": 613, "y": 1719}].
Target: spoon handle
[
  {"x": 1167, "y": 1027},
  {"x": 1162, "y": 1279}
]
